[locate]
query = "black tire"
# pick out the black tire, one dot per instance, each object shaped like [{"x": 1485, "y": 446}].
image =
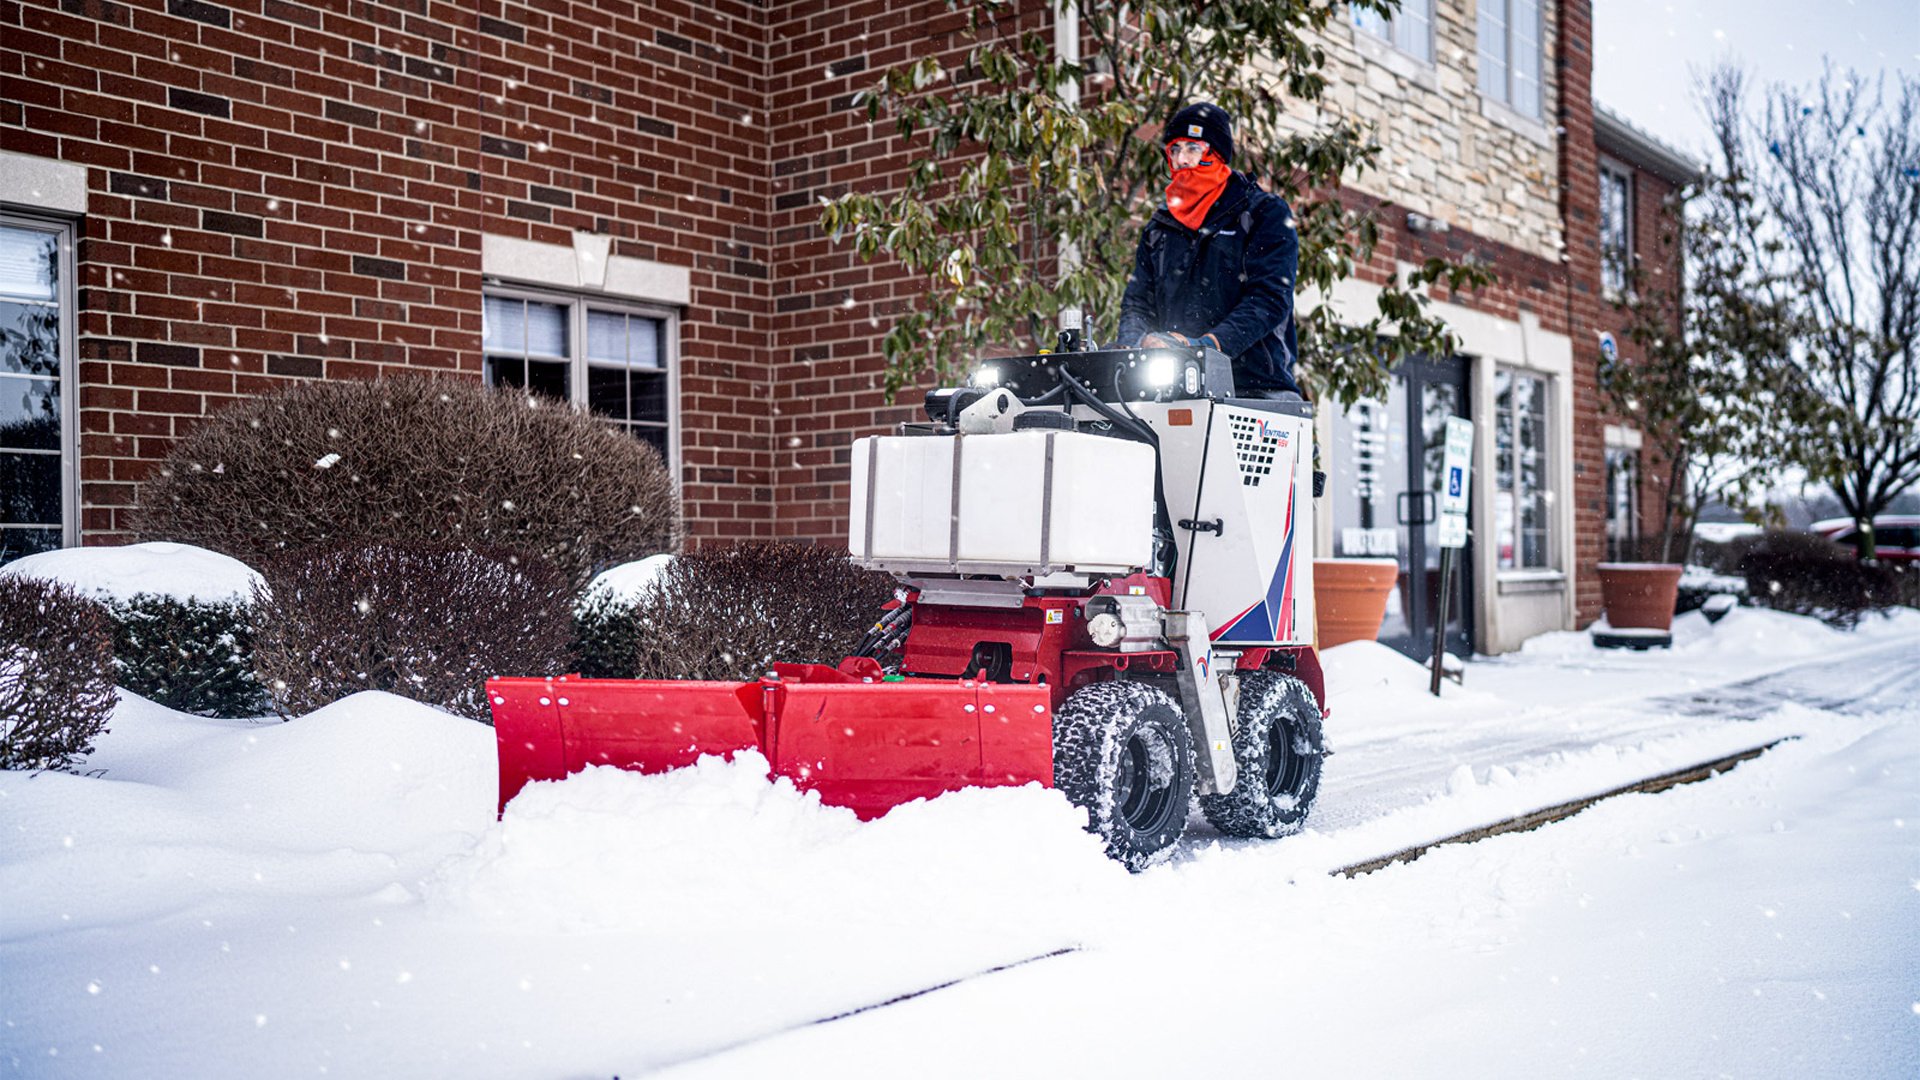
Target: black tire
[
  {"x": 1121, "y": 750},
  {"x": 1278, "y": 746}
]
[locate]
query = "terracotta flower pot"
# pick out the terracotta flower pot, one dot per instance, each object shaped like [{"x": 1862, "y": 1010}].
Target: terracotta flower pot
[
  {"x": 1350, "y": 597},
  {"x": 1640, "y": 595}
]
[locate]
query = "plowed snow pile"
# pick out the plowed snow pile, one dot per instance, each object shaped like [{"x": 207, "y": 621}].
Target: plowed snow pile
[{"x": 719, "y": 842}]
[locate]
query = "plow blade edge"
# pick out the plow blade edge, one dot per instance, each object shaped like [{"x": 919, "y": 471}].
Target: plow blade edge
[{"x": 866, "y": 745}]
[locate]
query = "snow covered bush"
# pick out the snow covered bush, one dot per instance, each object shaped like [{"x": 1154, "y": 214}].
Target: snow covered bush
[
  {"x": 56, "y": 674},
  {"x": 181, "y": 620},
  {"x": 424, "y": 621},
  {"x": 730, "y": 612},
  {"x": 192, "y": 655},
  {"x": 1807, "y": 574},
  {"x": 413, "y": 460}
]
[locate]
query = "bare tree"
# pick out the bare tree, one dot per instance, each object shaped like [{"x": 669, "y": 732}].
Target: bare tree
[
  {"x": 1707, "y": 384},
  {"x": 1837, "y": 172}
]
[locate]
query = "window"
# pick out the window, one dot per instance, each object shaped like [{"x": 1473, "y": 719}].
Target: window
[
  {"x": 1616, "y": 227},
  {"x": 36, "y": 428},
  {"x": 1510, "y": 54},
  {"x": 1522, "y": 500},
  {"x": 1410, "y": 29},
  {"x": 612, "y": 359},
  {"x": 1623, "y": 504}
]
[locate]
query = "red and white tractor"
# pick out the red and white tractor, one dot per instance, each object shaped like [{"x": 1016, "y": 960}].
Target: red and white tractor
[{"x": 1106, "y": 587}]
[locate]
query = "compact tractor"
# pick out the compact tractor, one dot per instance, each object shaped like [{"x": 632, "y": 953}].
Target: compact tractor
[{"x": 1105, "y": 571}]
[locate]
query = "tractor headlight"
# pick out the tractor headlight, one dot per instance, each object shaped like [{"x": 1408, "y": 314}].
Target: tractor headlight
[
  {"x": 1163, "y": 369},
  {"x": 987, "y": 377},
  {"x": 1106, "y": 629}
]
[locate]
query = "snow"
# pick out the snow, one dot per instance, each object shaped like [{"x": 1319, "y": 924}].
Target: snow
[
  {"x": 626, "y": 583},
  {"x": 334, "y": 896},
  {"x": 177, "y": 571}
]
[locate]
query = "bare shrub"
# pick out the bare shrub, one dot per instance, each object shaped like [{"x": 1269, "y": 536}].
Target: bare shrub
[
  {"x": 56, "y": 674},
  {"x": 427, "y": 622},
  {"x": 730, "y": 612},
  {"x": 413, "y": 460},
  {"x": 1807, "y": 574}
]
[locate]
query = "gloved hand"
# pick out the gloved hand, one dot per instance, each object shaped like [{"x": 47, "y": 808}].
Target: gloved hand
[{"x": 1173, "y": 339}]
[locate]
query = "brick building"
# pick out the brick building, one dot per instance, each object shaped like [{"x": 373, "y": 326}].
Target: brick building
[
  {"x": 1640, "y": 181},
  {"x": 614, "y": 201}
]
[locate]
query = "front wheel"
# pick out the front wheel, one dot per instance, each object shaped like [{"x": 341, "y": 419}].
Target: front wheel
[
  {"x": 1121, "y": 751},
  {"x": 1278, "y": 746}
]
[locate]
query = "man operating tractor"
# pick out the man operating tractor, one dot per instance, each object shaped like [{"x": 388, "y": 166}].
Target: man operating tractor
[{"x": 1216, "y": 264}]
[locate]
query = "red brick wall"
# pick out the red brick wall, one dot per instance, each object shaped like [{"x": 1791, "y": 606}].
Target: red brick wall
[
  {"x": 1659, "y": 264},
  {"x": 1580, "y": 210},
  {"x": 832, "y": 309},
  {"x": 296, "y": 190}
]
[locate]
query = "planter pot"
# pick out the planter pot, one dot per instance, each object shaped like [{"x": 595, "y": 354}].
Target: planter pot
[
  {"x": 1350, "y": 597},
  {"x": 1639, "y": 599}
]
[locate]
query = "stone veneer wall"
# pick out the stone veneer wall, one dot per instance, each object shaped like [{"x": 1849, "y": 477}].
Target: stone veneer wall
[{"x": 1483, "y": 169}]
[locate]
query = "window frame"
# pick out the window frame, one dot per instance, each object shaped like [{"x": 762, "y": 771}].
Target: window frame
[
  {"x": 578, "y": 304},
  {"x": 67, "y": 296},
  {"x": 1623, "y": 525},
  {"x": 1391, "y": 38},
  {"x": 1611, "y": 169},
  {"x": 1506, "y": 99},
  {"x": 1549, "y": 478}
]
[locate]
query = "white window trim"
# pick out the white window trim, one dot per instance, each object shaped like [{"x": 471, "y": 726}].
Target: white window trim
[
  {"x": 67, "y": 295},
  {"x": 1534, "y": 127},
  {"x": 1623, "y": 172},
  {"x": 1388, "y": 54},
  {"x": 578, "y": 303},
  {"x": 1556, "y": 482},
  {"x": 587, "y": 265}
]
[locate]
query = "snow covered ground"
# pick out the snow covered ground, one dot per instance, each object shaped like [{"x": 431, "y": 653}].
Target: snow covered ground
[{"x": 333, "y": 896}]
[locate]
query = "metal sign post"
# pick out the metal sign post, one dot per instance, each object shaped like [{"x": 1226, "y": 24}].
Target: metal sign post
[{"x": 1456, "y": 478}]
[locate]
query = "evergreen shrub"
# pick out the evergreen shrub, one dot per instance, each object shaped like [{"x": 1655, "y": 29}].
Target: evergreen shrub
[
  {"x": 413, "y": 460},
  {"x": 731, "y": 612},
  {"x": 424, "y": 621},
  {"x": 192, "y": 655},
  {"x": 56, "y": 674}
]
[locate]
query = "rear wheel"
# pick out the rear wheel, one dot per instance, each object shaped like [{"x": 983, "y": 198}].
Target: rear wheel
[
  {"x": 1278, "y": 746},
  {"x": 1121, "y": 751}
]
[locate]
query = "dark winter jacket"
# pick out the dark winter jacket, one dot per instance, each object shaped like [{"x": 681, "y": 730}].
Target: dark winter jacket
[{"x": 1232, "y": 278}]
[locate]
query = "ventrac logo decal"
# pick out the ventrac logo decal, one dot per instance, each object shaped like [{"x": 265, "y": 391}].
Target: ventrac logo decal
[{"x": 1270, "y": 431}]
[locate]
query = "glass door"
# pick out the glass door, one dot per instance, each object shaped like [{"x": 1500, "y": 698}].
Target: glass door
[{"x": 1393, "y": 451}]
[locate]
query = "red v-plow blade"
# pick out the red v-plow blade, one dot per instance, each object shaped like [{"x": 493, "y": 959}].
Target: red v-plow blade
[{"x": 860, "y": 743}]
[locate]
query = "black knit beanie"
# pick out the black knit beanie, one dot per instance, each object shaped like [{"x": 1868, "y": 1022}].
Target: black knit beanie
[{"x": 1205, "y": 121}]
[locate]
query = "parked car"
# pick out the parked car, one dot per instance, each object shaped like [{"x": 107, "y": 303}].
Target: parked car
[{"x": 1896, "y": 537}]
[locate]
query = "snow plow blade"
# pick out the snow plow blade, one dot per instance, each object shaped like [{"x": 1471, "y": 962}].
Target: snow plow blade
[{"x": 861, "y": 742}]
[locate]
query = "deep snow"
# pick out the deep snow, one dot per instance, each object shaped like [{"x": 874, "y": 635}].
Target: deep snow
[
  {"x": 176, "y": 571},
  {"x": 333, "y": 896}
]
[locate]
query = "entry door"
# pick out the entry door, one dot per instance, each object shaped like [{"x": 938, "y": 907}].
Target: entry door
[
  {"x": 1394, "y": 450},
  {"x": 1435, "y": 391}
]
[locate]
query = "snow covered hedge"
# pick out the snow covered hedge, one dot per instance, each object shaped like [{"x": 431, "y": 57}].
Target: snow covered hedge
[
  {"x": 730, "y": 612},
  {"x": 56, "y": 674},
  {"x": 181, "y": 618},
  {"x": 427, "y": 622},
  {"x": 413, "y": 460}
]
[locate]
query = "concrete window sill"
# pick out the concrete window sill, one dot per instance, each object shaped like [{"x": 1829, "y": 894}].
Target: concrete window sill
[
  {"x": 1527, "y": 126},
  {"x": 1409, "y": 67}
]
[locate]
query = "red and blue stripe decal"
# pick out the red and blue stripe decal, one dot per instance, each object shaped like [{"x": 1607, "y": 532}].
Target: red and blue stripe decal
[{"x": 1268, "y": 617}]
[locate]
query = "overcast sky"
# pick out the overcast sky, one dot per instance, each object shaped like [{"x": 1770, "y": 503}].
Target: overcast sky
[{"x": 1646, "y": 50}]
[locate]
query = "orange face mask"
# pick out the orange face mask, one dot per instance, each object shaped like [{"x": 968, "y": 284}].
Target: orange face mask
[{"x": 1192, "y": 190}]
